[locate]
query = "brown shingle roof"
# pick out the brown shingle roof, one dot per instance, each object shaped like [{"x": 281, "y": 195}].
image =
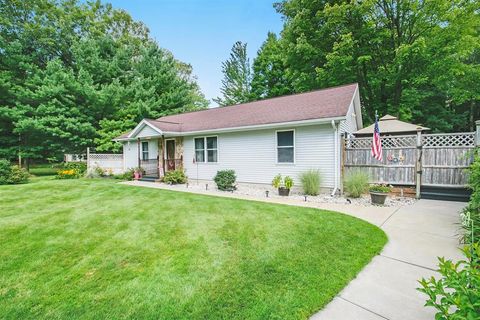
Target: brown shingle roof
[{"x": 324, "y": 103}]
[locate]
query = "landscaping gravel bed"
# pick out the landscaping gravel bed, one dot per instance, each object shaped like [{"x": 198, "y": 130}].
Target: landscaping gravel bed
[{"x": 259, "y": 191}]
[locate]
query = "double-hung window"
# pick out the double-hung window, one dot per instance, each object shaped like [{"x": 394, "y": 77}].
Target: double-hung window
[
  {"x": 286, "y": 146},
  {"x": 145, "y": 150},
  {"x": 206, "y": 149}
]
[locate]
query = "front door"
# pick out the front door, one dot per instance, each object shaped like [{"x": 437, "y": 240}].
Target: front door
[{"x": 170, "y": 144}]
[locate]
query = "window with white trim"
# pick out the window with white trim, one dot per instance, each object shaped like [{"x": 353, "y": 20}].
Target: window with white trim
[
  {"x": 145, "y": 150},
  {"x": 286, "y": 146},
  {"x": 206, "y": 149}
]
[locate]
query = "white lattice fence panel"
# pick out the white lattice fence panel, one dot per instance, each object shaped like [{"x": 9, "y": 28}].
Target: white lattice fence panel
[
  {"x": 111, "y": 163},
  {"x": 448, "y": 140},
  {"x": 387, "y": 142}
]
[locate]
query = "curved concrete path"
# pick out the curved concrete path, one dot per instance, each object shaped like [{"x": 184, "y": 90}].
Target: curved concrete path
[{"x": 386, "y": 287}]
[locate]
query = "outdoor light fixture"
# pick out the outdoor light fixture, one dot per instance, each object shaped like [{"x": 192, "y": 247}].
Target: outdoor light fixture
[
  {"x": 266, "y": 193},
  {"x": 206, "y": 186},
  {"x": 186, "y": 184},
  {"x": 305, "y": 198}
]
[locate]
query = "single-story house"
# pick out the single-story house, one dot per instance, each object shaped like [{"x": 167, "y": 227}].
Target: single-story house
[
  {"x": 287, "y": 135},
  {"x": 390, "y": 126}
]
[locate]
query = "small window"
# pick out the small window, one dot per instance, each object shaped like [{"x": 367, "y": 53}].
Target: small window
[
  {"x": 199, "y": 149},
  {"x": 145, "y": 150},
  {"x": 286, "y": 146},
  {"x": 206, "y": 149},
  {"x": 211, "y": 149}
]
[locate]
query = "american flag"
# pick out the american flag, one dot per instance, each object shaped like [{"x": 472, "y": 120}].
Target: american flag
[{"x": 376, "y": 143}]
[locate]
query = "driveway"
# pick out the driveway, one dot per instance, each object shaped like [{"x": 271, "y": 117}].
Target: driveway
[{"x": 386, "y": 287}]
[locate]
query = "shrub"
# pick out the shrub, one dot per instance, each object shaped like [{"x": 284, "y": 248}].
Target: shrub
[
  {"x": 456, "y": 295},
  {"x": 225, "y": 180},
  {"x": 277, "y": 181},
  {"x": 175, "y": 177},
  {"x": 286, "y": 183},
  {"x": 382, "y": 188},
  {"x": 80, "y": 167},
  {"x": 12, "y": 174},
  {"x": 127, "y": 175},
  {"x": 18, "y": 175},
  {"x": 311, "y": 181},
  {"x": 67, "y": 174},
  {"x": 5, "y": 169},
  {"x": 356, "y": 183}
]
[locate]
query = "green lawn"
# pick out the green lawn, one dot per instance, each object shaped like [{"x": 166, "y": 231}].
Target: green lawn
[
  {"x": 44, "y": 169},
  {"x": 94, "y": 249}
]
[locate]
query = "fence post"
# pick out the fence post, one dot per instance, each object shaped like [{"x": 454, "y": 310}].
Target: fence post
[
  {"x": 418, "y": 166},
  {"x": 477, "y": 134},
  {"x": 88, "y": 159}
]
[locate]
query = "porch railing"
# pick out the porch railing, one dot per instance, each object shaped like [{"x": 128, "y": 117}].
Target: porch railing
[{"x": 150, "y": 166}]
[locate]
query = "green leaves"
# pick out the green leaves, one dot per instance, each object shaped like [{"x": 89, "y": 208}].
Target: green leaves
[{"x": 74, "y": 73}]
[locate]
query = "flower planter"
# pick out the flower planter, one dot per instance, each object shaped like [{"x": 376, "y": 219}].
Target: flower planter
[
  {"x": 283, "y": 191},
  {"x": 378, "y": 197},
  {"x": 137, "y": 175}
]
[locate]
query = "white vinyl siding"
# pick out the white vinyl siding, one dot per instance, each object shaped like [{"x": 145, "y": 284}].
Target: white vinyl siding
[
  {"x": 253, "y": 155},
  {"x": 130, "y": 152},
  {"x": 146, "y": 132}
]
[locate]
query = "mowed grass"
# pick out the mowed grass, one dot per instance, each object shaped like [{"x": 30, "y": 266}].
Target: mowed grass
[{"x": 95, "y": 249}]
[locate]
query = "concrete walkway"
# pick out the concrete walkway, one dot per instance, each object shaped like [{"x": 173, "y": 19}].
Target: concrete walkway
[{"x": 386, "y": 288}]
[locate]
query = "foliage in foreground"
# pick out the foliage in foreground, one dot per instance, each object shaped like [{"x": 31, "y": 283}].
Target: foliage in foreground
[
  {"x": 311, "y": 181},
  {"x": 225, "y": 180},
  {"x": 12, "y": 174},
  {"x": 177, "y": 176},
  {"x": 127, "y": 252},
  {"x": 355, "y": 183},
  {"x": 456, "y": 295}
]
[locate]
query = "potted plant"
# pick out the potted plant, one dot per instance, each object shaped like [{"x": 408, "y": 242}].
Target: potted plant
[
  {"x": 137, "y": 173},
  {"x": 283, "y": 185},
  {"x": 379, "y": 192}
]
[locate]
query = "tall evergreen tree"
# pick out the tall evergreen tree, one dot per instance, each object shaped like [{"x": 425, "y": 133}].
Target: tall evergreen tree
[
  {"x": 236, "y": 77},
  {"x": 75, "y": 74}
]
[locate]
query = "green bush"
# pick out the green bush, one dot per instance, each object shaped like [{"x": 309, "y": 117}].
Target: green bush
[
  {"x": 381, "y": 188},
  {"x": 456, "y": 295},
  {"x": 175, "y": 177},
  {"x": 355, "y": 183},
  {"x": 472, "y": 231},
  {"x": 286, "y": 182},
  {"x": 12, "y": 174},
  {"x": 225, "y": 180},
  {"x": 127, "y": 175},
  {"x": 311, "y": 181},
  {"x": 80, "y": 167}
]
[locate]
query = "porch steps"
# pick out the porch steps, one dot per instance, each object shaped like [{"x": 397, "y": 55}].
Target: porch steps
[{"x": 149, "y": 178}]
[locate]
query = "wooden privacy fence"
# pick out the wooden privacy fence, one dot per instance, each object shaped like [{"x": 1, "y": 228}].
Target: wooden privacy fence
[{"x": 415, "y": 160}]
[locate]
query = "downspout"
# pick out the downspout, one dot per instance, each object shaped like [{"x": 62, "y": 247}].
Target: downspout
[{"x": 335, "y": 148}]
